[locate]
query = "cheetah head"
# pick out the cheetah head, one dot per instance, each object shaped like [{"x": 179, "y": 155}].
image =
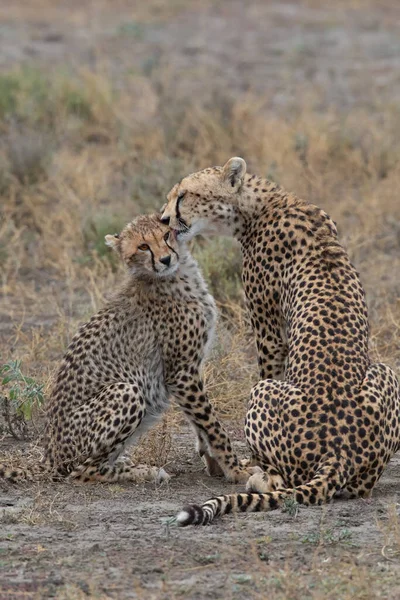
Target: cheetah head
[
  {"x": 147, "y": 247},
  {"x": 204, "y": 202}
]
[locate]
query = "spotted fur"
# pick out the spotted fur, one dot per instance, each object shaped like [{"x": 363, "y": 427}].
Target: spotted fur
[
  {"x": 123, "y": 366},
  {"x": 333, "y": 422}
]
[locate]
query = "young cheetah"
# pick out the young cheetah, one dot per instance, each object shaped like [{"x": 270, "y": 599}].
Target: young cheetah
[
  {"x": 123, "y": 366},
  {"x": 333, "y": 423}
]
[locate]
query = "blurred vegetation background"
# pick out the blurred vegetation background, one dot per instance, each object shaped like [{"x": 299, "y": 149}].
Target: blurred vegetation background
[{"x": 105, "y": 105}]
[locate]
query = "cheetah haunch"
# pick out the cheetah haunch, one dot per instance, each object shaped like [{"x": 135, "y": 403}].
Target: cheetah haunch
[
  {"x": 123, "y": 366},
  {"x": 333, "y": 423}
]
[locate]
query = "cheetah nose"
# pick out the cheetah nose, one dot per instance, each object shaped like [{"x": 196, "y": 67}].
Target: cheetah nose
[
  {"x": 165, "y": 220},
  {"x": 165, "y": 260}
]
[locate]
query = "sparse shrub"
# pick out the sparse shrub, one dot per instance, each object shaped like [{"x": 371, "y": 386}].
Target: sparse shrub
[
  {"x": 22, "y": 394},
  {"x": 328, "y": 537},
  {"x": 291, "y": 506}
]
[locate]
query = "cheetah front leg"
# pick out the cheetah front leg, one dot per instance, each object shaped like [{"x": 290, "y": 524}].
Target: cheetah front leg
[
  {"x": 212, "y": 467},
  {"x": 190, "y": 395}
]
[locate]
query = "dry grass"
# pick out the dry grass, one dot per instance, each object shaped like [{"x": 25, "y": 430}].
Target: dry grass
[{"x": 60, "y": 197}]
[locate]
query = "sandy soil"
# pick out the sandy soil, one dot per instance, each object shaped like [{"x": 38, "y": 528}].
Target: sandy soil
[{"x": 112, "y": 540}]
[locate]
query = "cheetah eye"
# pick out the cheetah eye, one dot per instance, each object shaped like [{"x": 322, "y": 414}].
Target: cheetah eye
[
  {"x": 181, "y": 196},
  {"x": 144, "y": 247},
  {"x": 166, "y": 236}
]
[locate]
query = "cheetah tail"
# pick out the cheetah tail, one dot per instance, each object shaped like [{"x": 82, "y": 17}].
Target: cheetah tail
[
  {"x": 319, "y": 490},
  {"x": 223, "y": 505},
  {"x": 18, "y": 475}
]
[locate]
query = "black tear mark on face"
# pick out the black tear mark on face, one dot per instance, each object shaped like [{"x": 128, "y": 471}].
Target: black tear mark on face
[
  {"x": 153, "y": 262},
  {"x": 172, "y": 250}
]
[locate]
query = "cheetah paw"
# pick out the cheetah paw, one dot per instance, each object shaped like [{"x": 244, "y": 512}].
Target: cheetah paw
[
  {"x": 162, "y": 476},
  {"x": 258, "y": 482},
  {"x": 247, "y": 463},
  {"x": 243, "y": 475},
  {"x": 212, "y": 467}
]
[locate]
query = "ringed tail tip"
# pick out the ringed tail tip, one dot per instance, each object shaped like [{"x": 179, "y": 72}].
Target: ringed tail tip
[{"x": 191, "y": 515}]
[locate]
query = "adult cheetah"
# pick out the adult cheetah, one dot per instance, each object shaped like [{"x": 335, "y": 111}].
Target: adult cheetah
[
  {"x": 123, "y": 366},
  {"x": 333, "y": 423}
]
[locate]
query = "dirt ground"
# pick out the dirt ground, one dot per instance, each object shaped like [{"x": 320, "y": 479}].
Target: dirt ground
[
  {"x": 73, "y": 542},
  {"x": 113, "y": 542}
]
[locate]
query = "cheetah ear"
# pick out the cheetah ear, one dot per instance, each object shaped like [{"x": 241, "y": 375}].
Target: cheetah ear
[
  {"x": 113, "y": 241},
  {"x": 234, "y": 171}
]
